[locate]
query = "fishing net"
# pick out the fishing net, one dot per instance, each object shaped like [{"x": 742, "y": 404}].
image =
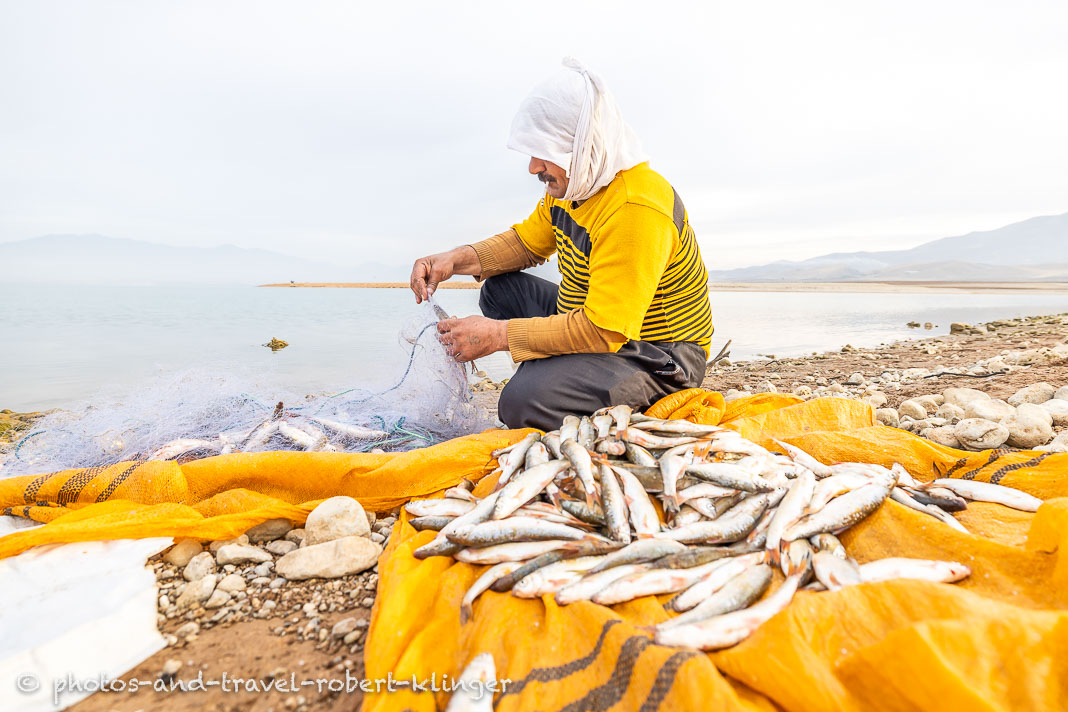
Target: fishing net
[{"x": 422, "y": 399}]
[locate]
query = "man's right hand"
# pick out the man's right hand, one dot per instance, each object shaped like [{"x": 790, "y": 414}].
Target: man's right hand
[{"x": 428, "y": 272}]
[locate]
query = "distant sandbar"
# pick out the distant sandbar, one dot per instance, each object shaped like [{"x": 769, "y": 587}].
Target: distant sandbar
[{"x": 840, "y": 287}]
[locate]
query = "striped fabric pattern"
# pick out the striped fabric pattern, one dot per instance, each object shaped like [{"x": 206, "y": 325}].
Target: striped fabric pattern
[{"x": 680, "y": 310}]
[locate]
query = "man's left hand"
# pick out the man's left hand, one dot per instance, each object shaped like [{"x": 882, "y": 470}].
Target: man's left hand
[{"x": 472, "y": 337}]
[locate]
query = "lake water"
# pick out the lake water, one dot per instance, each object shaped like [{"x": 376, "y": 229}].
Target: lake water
[{"x": 64, "y": 344}]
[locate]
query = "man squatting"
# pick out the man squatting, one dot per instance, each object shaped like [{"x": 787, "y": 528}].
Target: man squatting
[{"x": 630, "y": 321}]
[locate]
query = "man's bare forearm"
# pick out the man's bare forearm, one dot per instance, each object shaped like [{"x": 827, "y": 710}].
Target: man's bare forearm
[{"x": 465, "y": 260}]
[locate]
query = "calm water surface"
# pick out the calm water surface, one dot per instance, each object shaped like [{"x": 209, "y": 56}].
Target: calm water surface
[{"x": 64, "y": 344}]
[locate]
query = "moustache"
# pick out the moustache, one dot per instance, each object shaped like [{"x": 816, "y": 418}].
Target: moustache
[{"x": 546, "y": 178}]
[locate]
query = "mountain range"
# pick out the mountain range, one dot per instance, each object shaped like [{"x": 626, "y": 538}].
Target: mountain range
[{"x": 1034, "y": 250}]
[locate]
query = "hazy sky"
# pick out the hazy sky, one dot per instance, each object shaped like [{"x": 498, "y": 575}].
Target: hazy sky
[{"x": 344, "y": 131}]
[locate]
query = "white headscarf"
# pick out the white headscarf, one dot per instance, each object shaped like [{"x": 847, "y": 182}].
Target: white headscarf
[{"x": 573, "y": 121}]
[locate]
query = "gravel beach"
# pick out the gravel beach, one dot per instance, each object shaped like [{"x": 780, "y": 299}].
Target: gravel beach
[{"x": 294, "y": 604}]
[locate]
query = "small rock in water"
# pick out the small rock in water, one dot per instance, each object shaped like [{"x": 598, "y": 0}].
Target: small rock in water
[
  {"x": 1036, "y": 393},
  {"x": 182, "y": 552},
  {"x": 335, "y": 518},
  {"x": 199, "y": 566},
  {"x": 979, "y": 434},
  {"x": 959, "y": 327}
]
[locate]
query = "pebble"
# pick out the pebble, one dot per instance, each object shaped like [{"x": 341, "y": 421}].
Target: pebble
[
  {"x": 199, "y": 566},
  {"x": 950, "y": 412},
  {"x": 296, "y": 536},
  {"x": 172, "y": 667},
  {"x": 277, "y": 583},
  {"x": 196, "y": 592},
  {"x": 182, "y": 552},
  {"x": 214, "y": 546},
  {"x": 888, "y": 417},
  {"x": 343, "y": 627},
  {"x": 877, "y": 399},
  {"x": 281, "y": 548},
  {"x": 332, "y": 559},
  {"x": 856, "y": 379},
  {"x": 963, "y": 396},
  {"x": 260, "y": 581},
  {"x": 269, "y": 531},
  {"x": 336, "y": 518},
  {"x": 187, "y": 630},
  {"x": 1058, "y": 411},
  {"x": 242, "y": 554},
  {"x": 943, "y": 435},
  {"x": 218, "y": 599},
  {"x": 1030, "y": 410},
  {"x": 1062, "y": 393},
  {"x": 995, "y": 410},
  {"x": 1027, "y": 430},
  {"x": 264, "y": 569},
  {"x": 912, "y": 409},
  {"x": 231, "y": 583},
  {"x": 979, "y": 434},
  {"x": 1035, "y": 393}
]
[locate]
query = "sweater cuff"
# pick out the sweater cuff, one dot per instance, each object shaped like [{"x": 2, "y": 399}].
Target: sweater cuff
[
  {"x": 487, "y": 259},
  {"x": 519, "y": 340}
]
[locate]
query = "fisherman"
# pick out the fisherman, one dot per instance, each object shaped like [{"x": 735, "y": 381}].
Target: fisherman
[{"x": 630, "y": 320}]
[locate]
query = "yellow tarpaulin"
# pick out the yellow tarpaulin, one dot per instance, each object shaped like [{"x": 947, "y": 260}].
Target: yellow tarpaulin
[{"x": 996, "y": 641}]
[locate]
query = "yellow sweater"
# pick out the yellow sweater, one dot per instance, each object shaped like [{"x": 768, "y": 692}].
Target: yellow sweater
[{"x": 630, "y": 269}]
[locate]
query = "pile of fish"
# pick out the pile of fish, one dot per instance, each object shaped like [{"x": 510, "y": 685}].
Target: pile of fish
[
  {"x": 284, "y": 430},
  {"x": 574, "y": 515}
]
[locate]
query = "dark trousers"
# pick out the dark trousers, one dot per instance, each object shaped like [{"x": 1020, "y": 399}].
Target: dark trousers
[{"x": 544, "y": 390}]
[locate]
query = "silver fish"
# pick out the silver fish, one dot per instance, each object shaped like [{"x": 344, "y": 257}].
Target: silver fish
[
  {"x": 431, "y": 523},
  {"x": 791, "y": 507},
  {"x": 739, "y": 592},
  {"x": 621, "y": 414},
  {"x": 835, "y": 572},
  {"x": 615, "y": 506},
  {"x": 987, "y": 492},
  {"x": 731, "y": 628},
  {"x": 640, "y": 456},
  {"x": 438, "y": 507},
  {"x": 650, "y": 583},
  {"x": 552, "y": 441},
  {"x": 582, "y": 464},
  {"x": 899, "y": 568},
  {"x": 648, "y": 440},
  {"x": 603, "y": 425},
  {"x": 639, "y": 552},
  {"x": 569, "y": 428},
  {"x": 482, "y": 584},
  {"x": 512, "y": 551},
  {"x": 730, "y": 527},
  {"x": 643, "y": 516},
  {"x": 554, "y": 577},
  {"x": 500, "y": 531},
  {"x": 525, "y": 486},
  {"x": 593, "y": 583},
  {"x": 714, "y": 580},
  {"x": 470, "y": 688},
  {"x": 729, "y": 474},
  {"x": 841, "y": 512},
  {"x": 586, "y": 432}
]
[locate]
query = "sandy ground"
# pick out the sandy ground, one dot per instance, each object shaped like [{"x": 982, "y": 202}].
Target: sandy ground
[{"x": 251, "y": 648}]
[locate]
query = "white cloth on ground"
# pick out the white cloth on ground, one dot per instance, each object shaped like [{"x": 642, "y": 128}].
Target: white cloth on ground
[{"x": 572, "y": 120}]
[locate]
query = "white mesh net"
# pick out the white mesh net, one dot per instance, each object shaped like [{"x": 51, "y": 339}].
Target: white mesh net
[{"x": 425, "y": 399}]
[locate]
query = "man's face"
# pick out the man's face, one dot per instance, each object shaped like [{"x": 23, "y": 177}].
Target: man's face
[{"x": 553, "y": 176}]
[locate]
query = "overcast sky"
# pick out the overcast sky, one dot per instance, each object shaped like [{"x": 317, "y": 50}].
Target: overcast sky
[{"x": 345, "y": 131}]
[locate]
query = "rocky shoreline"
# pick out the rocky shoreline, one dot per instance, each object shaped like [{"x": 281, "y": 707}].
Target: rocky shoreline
[{"x": 278, "y": 601}]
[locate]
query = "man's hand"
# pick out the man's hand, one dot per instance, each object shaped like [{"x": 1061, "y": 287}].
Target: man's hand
[
  {"x": 428, "y": 272},
  {"x": 472, "y": 337}
]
